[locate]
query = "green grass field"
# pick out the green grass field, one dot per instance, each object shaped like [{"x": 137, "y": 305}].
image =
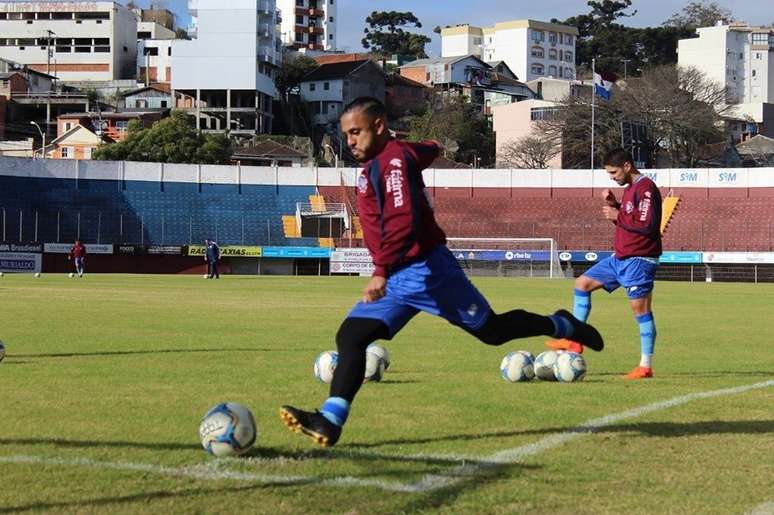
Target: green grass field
[{"x": 106, "y": 378}]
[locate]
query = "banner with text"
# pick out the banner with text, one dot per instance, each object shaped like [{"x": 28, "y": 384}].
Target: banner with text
[
  {"x": 12, "y": 246},
  {"x": 501, "y": 255},
  {"x": 751, "y": 258},
  {"x": 296, "y": 252},
  {"x": 16, "y": 262},
  {"x": 227, "y": 251},
  {"x": 64, "y": 248},
  {"x": 351, "y": 261}
]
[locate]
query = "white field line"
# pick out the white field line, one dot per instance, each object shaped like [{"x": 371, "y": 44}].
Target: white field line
[
  {"x": 215, "y": 471},
  {"x": 766, "y": 508}
]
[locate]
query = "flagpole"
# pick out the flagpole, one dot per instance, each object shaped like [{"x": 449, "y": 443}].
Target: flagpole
[{"x": 593, "y": 106}]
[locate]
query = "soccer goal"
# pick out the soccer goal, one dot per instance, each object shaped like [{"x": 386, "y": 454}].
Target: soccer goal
[{"x": 508, "y": 257}]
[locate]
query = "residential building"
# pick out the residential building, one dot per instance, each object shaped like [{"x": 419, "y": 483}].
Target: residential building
[
  {"x": 154, "y": 61},
  {"x": 556, "y": 90},
  {"x": 740, "y": 58},
  {"x": 404, "y": 96},
  {"x": 107, "y": 124},
  {"x": 330, "y": 87},
  {"x": 271, "y": 153},
  {"x": 516, "y": 121},
  {"x": 225, "y": 76},
  {"x": 77, "y": 143},
  {"x": 486, "y": 85},
  {"x": 531, "y": 48},
  {"x": 309, "y": 24},
  {"x": 75, "y": 41},
  {"x": 155, "y": 23},
  {"x": 157, "y": 96}
]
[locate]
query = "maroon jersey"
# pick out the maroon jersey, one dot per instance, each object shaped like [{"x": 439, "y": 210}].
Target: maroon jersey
[
  {"x": 398, "y": 222},
  {"x": 78, "y": 251},
  {"x": 638, "y": 227}
]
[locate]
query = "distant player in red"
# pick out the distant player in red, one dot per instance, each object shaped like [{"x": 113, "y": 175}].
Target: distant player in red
[
  {"x": 78, "y": 256},
  {"x": 637, "y": 220},
  {"x": 414, "y": 271}
]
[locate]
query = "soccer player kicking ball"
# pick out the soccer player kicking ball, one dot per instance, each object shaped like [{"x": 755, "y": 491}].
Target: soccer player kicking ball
[
  {"x": 637, "y": 220},
  {"x": 414, "y": 271}
]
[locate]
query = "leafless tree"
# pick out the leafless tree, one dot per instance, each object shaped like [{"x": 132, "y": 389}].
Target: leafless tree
[
  {"x": 681, "y": 110},
  {"x": 529, "y": 152}
]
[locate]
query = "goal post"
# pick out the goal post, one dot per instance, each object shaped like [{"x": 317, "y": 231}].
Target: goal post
[{"x": 510, "y": 257}]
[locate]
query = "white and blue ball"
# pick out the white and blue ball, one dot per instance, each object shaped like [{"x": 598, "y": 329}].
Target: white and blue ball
[
  {"x": 324, "y": 366},
  {"x": 570, "y": 367},
  {"x": 228, "y": 429},
  {"x": 382, "y": 352},
  {"x": 544, "y": 365},
  {"x": 375, "y": 367},
  {"x": 517, "y": 367}
]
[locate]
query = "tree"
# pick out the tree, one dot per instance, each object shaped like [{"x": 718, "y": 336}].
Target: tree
[
  {"x": 699, "y": 14},
  {"x": 458, "y": 120},
  {"x": 172, "y": 140},
  {"x": 385, "y": 35},
  {"x": 529, "y": 152},
  {"x": 680, "y": 109},
  {"x": 291, "y": 73}
]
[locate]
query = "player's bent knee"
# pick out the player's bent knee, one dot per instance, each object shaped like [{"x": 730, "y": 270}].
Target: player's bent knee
[{"x": 355, "y": 334}]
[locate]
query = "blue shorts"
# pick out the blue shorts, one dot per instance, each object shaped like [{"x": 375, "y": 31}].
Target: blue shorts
[
  {"x": 635, "y": 274},
  {"x": 434, "y": 284},
  {"x": 79, "y": 261}
]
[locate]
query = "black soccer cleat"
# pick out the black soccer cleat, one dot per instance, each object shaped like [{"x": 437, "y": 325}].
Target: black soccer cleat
[
  {"x": 312, "y": 424},
  {"x": 583, "y": 333}
]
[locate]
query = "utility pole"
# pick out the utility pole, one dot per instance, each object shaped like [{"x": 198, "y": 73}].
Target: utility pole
[
  {"x": 49, "y": 33},
  {"x": 625, "y": 62}
]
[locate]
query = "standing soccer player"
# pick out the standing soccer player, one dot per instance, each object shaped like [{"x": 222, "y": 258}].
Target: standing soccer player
[
  {"x": 414, "y": 271},
  {"x": 212, "y": 257},
  {"x": 78, "y": 255},
  {"x": 637, "y": 220}
]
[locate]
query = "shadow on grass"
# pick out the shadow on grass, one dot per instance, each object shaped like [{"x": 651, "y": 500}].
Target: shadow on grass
[
  {"x": 143, "y": 499},
  {"x": 83, "y": 444},
  {"x": 705, "y": 373},
  {"x": 133, "y": 352},
  {"x": 663, "y": 429}
]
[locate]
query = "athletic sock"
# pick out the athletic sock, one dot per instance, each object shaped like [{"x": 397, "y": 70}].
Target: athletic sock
[
  {"x": 336, "y": 410},
  {"x": 582, "y": 305},
  {"x": 562, "y": 327},
  {"x": 647, "y": 339}
]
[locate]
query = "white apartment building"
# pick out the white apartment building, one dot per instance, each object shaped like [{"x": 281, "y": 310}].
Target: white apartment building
[
  {"x": 225, "y": 76},
  {"x": 75, "y": 41},
  {"x": 741, "y": 58},
  {"x": 154, "y": 60},
  {"x": 308, "y": 24},
  {"x": 153, "y": 30},
  {"x": 530, "y": 48}
]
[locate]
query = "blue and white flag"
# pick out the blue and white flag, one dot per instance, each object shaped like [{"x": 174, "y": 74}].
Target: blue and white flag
[{"x": 603, "y": 84}]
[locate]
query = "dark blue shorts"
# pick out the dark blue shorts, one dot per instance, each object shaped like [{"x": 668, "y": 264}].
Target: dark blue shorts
[
  {"x": 435, "y": 284},
  {"x": 635, "y": 274}
]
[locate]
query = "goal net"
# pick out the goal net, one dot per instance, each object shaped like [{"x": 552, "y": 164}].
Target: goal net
[{"x": 508, "y": 257}]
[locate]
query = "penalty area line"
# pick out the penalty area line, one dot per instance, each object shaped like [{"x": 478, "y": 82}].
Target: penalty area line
[{"x": 215, "y": 471}]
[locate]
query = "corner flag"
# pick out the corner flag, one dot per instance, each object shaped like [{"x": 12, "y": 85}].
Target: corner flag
[{"x": 603, "y": 84}]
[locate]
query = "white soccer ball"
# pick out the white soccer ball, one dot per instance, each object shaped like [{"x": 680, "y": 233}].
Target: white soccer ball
[
  {"x": 382, "y": 352},
  {"x": 570, "y": 367},
  {"x": 71, "y": 275},
  {"x": 324, "y": 366},
  {"x": 374, "y": 367},
  {"x": 1, "y": 274},
  {"x": 2, "y": 351},
  {"x": 205, "y": 276},
  {"x": 544, "y": 365},
  {"x": 517, "y": 367},
  {"x": 37, "y": 274},
  {"x": 228, "y": 429}
]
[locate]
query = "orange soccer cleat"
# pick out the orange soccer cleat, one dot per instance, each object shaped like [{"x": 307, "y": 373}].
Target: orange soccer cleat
[
  {"x": 565, "y": 344},
  {"x": 640, "y": 373}
]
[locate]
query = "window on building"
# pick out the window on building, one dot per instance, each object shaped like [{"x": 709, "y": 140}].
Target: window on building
[
  {"x": 312, "y": 86},
  {"x": 87, "y": 152},
  {"x": 299, "y": 19},
  {"x": 476, "y": 41},
  {"x": 542, "y": 113},
  {"x": 552, "y": 70},
  {"x": 568, "y": 73},
  {"x": 753, "y": 73},
  {"x": 760, "y": 39},
  {"x": 143, "y": 35},
  {"x": 151, "y": 51},
  {"x": 552, "y": 54},
  {"x": 67, "y": 126},
  {"x": 538, "y": 35},
  {"x": 568, "y": 57},
  {"x": 141, "y": 103},
  {"x": 331, "y": 2},
  {"x": 61, "y": 16},
  {"x": 567, "y": 39},
  {"x": 537, "y": 52},
  {"x": 327, "y": 86},
  {"x": 164, "y": 104},
  {"x": 330, "y": 19},
  {"x": 552, "y": 38},
  {"x": 537, "y": 69},
  {"x": 92, "y": 16},
  {"x": 741, "y": 55},
  {"x": 299, "y": 3},
  {"x": 560, "y": 72},
  {"x": 66, "y": 152},
  {"x": 169, "y": 51},
  {"x": 122, "y": 125},
  {"x": 300, "y": 36},
  {"x": 330, "y": 36}
]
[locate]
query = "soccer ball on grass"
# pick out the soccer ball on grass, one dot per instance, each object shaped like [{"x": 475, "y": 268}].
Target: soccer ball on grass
[
  {"x": 570, "y": 367},
  {"x": 544, "y": 365},
  {"x": 517, "y": 367},
  {"x": 228, "y": 429},
  {"x": 324, "y": 366}
]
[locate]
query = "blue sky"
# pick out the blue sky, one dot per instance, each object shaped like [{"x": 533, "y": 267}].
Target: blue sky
[{"x": 352, "y": 13}]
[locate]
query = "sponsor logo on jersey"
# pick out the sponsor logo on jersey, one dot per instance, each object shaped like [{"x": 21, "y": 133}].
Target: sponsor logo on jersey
[{"x": 629, "y": 207}]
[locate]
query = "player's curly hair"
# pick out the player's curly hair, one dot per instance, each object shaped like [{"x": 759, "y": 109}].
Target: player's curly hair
[{"x": 369, "y": 105}]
